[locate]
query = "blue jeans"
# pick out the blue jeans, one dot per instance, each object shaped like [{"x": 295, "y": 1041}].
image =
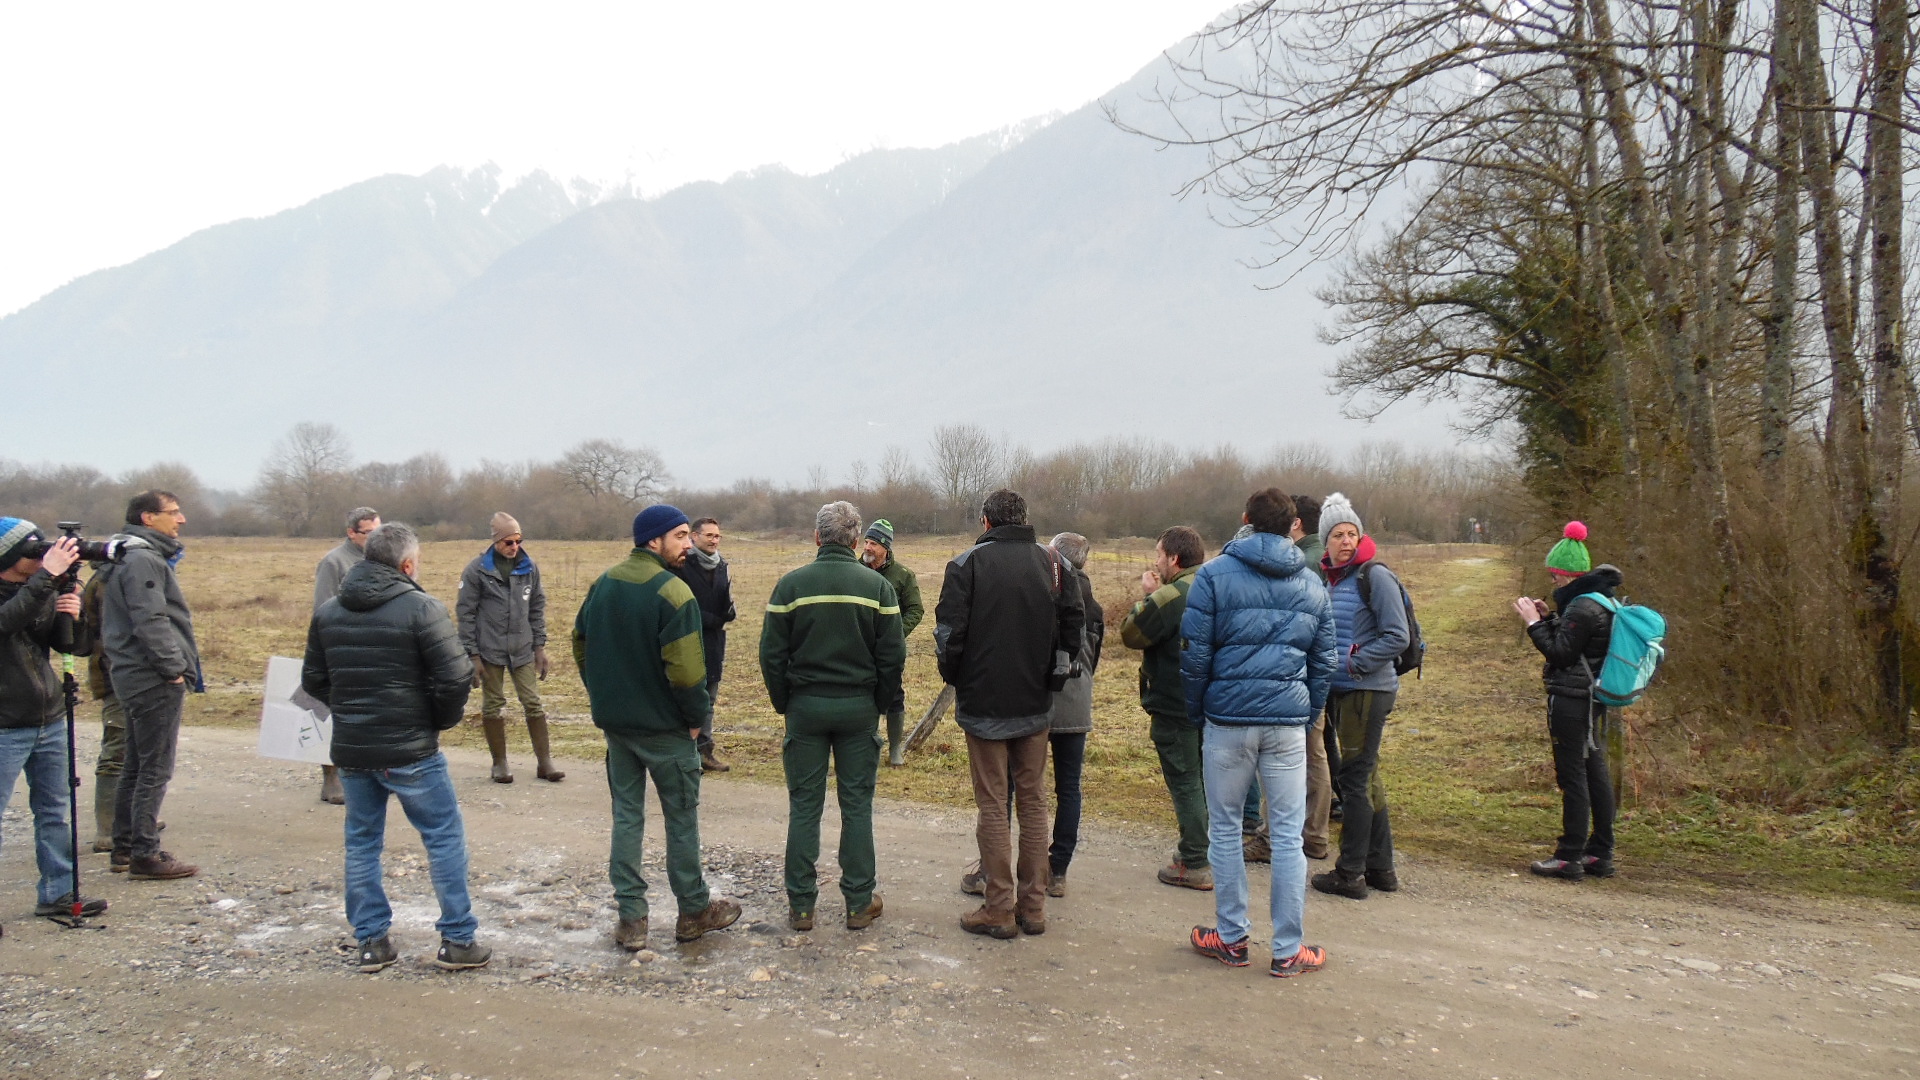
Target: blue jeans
[
  {"x": 426, "y": 795},
  {"x": 41, "y": 752},
  {"x": 1233, "y": 758}
]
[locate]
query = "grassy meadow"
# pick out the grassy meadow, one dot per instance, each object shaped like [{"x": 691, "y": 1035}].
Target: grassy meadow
[{"x": 1466, "y": 761}]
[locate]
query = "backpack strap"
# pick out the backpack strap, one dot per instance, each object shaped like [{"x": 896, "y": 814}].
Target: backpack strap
[{"x": 1605, "y": 601}]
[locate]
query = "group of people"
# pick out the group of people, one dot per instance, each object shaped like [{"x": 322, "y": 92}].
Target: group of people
[{"x": 1268, "y": 673}]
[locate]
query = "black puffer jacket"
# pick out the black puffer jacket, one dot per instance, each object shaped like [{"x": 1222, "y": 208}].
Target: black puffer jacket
[
  {"x": 1006, "y": 606},
  {"x": 385, "y": 657},
  {"x": 31, "y": 694},
  {"x": 1581, "y": 629}
]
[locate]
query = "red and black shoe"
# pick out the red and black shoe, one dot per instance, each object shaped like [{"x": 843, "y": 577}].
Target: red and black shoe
[
  {"x": 1309, "y": 959},
  {"x": 1207, "y": 942}
]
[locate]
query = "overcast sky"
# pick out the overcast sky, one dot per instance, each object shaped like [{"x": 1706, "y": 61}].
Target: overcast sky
[{"x": 127, "y": 126}]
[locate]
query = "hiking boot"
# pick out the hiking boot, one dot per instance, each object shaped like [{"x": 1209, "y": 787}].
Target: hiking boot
[
  {"x": 1335, "y": 883},
  {"x": 1031, "y": 925},
  {"x": 89, "y": 907},
  {"x": 119, "y": 861},
  {"x": 860, "y": 920},
  {"x": 1309, "y": 959},
  {"x": 973, "y": 880},
  {"x": 330, "y": 790},
  {"x": 1187, "y": 877},
  {"x": 1558, "y": 868},
  {"x": 631, "y": 934},
  {"x": 1383, "y": 880},
  {"x": 1206, "y": 941},
  {"x": 799, "y": 920},
  {"x": 162, "y": 867},
  {"x": 1057, "y": 885},
  {"x": 376, "y": 954},
  {"x": 994, "y": 924},
  {"x": 719, "y": 915},
  {"x": 458, "y": 956},
  {"x": 709, "y": 763},
  {"x": 1256, "y": 848},
  {"x": 1595, "y": 866}
]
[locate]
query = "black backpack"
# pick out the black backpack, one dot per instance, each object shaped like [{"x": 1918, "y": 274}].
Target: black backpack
[{"x": 1414, "y": 656}]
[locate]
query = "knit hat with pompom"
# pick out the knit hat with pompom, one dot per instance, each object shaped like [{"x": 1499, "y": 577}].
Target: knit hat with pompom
[{"x": 1569, "y": 556}]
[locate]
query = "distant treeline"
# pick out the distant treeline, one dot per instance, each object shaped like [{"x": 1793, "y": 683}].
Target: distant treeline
[{"x": 1131, "y": 487}]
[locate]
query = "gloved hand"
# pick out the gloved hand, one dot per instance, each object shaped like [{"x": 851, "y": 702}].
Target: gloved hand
[{"x": 540, "y": 664}]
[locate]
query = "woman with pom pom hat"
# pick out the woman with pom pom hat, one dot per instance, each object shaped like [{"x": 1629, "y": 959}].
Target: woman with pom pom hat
[{"x": 1574, "y": 638}]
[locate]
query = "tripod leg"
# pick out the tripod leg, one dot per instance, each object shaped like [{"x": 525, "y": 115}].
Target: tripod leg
[{"x": 73, "y": 783}]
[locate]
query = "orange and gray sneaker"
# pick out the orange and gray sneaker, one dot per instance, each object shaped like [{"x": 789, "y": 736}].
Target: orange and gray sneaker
[
  {"x": 1309, "y": 959},
  {"x": 1207, "y": 942}
]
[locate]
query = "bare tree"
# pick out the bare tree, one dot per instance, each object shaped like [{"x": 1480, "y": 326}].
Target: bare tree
[
  {"x": 608, "y": 470},
  {"x": 302, "y": 473},
  {"x": 965, "y": 462}
]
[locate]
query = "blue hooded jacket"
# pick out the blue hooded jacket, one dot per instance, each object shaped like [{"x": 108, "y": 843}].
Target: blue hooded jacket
[{"x": 1260, "y": 637}]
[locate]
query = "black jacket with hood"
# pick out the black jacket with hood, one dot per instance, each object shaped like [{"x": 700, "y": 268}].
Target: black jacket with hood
[
  {"x": 31, "y": 694},
  {"x": 1581, "y": 629},
  {"x": 385, "y": 657},
  {"x": 1007, "y": 604}
]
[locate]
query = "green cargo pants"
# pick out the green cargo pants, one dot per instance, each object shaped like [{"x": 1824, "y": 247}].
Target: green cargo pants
[
  {"x": 670, "y": 758},
  {"x": 1179, "y": 745},
  {"x": 847, "y": 729},
  {"x": 106, "y": 770}
]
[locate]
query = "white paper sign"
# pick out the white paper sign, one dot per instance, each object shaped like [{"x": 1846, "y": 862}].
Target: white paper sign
[{"x": 293, "y": 725}]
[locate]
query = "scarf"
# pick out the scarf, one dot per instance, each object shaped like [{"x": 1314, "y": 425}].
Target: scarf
[
  {"x": 707, "y": 562},
  {"x": 1362, "y": 555}
]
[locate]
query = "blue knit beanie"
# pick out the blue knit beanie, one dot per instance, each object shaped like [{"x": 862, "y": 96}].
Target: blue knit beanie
[
  {"x": 656, "y": 521},
  {"x": 14, "y": 535}
]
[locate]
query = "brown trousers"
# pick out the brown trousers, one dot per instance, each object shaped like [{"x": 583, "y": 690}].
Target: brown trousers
[
  {"x": 990, "y": 761},
  {"x": 1319, "y": 789}
]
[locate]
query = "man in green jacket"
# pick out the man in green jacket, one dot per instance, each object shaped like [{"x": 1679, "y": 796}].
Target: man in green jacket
[
  {"x": 637, "y": 645},
  {"x": 876, "y": 550},
  {"x": 832, "y": 653},
  {"x": 1154, "y": 627}
]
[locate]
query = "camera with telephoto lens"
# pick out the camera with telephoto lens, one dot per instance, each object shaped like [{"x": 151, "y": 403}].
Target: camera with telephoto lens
[{"x": 90, "y": 550}]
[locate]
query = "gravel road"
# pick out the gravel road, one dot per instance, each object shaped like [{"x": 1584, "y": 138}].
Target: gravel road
[{"x": 242, "y": 972}]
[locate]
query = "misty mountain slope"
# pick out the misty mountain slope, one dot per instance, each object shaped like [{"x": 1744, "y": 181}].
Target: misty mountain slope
[{"x": 655, "y": 282}]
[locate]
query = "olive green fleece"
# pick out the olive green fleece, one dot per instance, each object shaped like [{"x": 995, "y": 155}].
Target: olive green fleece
[
  {"x": 1154, "y": 627},
  {"x": 637, "y": 645},
  {"x": 832, "y": 630},
  {"x": 906, "y": 585}
]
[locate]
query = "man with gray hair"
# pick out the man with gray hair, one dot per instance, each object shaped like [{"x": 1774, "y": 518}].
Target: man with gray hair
[
  {"x": 832, "y": 654},
  {"x": 384, "y": 656},
  {"x": 361, "y": 521}
]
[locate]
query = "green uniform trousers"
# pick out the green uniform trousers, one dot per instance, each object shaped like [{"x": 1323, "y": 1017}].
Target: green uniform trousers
[
  {"x": 847, "y": 730},
  {"x": 670, "y": 758},
  {"x": 1179, "y": 745}
]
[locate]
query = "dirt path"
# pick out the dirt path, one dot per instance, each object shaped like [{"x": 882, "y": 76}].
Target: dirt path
[{"x": 240, "y": 972}]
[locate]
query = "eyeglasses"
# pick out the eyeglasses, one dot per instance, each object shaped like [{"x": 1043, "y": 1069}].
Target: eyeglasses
[{"x": 510, "y": 543}]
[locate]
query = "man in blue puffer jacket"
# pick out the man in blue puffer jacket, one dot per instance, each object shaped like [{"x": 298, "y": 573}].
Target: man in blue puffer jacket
[{"x": 1259, "y": 659}]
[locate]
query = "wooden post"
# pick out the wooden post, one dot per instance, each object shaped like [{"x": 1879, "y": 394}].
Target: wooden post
[{"x": 924, "y": 729}]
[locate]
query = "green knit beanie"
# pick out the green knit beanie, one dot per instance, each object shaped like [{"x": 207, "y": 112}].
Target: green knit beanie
[{"x": 1570, "y": 554}]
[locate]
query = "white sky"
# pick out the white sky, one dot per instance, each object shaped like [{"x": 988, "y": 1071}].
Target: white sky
[{"x": 127, "y": 126}]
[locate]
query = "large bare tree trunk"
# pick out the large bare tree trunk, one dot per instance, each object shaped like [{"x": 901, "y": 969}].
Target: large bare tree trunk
[{"x": 1776, "y": 392}]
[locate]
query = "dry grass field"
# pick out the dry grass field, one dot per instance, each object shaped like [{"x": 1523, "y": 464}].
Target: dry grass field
[{"x": 1466, "y": 760}]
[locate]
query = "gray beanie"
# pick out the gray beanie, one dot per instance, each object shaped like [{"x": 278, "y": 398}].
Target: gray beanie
[{"x": 1336, "y": 510}]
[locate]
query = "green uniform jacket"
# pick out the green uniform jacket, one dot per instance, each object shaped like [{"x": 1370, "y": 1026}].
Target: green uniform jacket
[
  {"x": 833, "y": 630},
  {"x": 1312, "y": 548},
  {"x": 637, "y": 645},
  {"x": 906, "y": 585},
  {"x": 1154, "y": 626}
]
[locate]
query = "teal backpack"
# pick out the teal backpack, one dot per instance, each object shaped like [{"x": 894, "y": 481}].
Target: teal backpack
[{"x": 1634, "y": 652}]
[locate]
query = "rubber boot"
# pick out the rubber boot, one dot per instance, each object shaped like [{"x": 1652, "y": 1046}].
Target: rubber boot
[
  {"x": 542, "y": 750},
  {"x": 496, "y": 729},
  {"x": 330, "y": 789},
  {"x": 897, "y": 737},
  {"x": 104, "y": 789}
]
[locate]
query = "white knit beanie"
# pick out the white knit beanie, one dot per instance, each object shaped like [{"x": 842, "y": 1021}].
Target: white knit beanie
[{"x": 1336, "y": 510}]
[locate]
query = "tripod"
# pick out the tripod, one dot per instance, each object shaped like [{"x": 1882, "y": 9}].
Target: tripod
[{"x": 72, "y": 919}]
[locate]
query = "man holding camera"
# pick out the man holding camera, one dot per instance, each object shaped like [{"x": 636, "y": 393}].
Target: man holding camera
[
  {"x": 152, "y": 661},
  {"x": 32, "y": 704}
]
